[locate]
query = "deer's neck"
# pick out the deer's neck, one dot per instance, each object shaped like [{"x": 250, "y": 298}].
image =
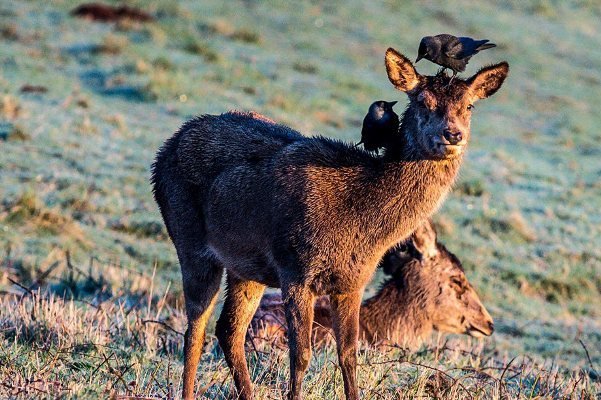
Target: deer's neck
[
  {"x": 397, "y": 315},
  {"x": 403, "y": 196},
  {"x": 407, "y": 189}
]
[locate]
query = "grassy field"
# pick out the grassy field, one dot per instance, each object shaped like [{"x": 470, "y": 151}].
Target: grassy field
[{"x": 90, "y": 292}]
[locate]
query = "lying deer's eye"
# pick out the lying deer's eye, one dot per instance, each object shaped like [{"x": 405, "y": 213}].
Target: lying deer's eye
[{"x": 470, "y": 107}]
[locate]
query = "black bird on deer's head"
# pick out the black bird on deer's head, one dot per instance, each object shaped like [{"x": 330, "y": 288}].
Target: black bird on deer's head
[
  {"x": 380, "y": 125},
  {"x": 450, "y": 51}
]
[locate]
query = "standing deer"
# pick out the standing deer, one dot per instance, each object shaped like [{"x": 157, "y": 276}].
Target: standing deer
[
  {"x": 312, "y": 216},
  {"x": 427, "y": 290}
]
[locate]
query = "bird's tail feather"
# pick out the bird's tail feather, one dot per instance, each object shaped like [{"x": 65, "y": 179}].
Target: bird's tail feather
[{"x": 485, "y": 46}]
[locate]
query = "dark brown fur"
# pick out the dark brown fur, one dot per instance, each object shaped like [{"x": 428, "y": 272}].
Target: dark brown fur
[
  {"x": 310, "y": 215},
  {"x": 428, "y": 290},
  {"x": 109, "y": 13}
]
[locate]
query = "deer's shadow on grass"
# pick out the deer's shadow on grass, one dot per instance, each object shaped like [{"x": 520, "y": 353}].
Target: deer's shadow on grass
[
  {"x": 113, "y": 82},
  {"x": 99, "y": 286},
  {"x": 110, "y": 84}
]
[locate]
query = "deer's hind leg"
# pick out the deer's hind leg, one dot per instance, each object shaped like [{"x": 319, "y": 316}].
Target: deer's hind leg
[
  {"x": 298, "y": 302},
  {"x": 201, "y": 280},
  {"x": 345, "y": 312},
  {"x": 201, "y": 272},
  {"x": 241, "y": 302}
]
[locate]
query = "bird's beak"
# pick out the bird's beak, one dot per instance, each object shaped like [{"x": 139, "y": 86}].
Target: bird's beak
[
  {"x": 392, "y": 103},
  {"x": 418, "y": 58}
]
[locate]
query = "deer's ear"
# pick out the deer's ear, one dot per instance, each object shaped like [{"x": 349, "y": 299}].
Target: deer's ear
[
  {"x": 397, "y": 257},
  {"x": 424, "y": 240},
  {"x": 488, "y": 80},
  {"x": 401, "y": 71}
]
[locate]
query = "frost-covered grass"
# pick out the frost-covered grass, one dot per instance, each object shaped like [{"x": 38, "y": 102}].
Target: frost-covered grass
[{"x": 103, "y": 330}]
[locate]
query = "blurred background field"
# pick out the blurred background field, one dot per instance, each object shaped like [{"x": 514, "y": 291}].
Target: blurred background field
[{"x": 91, "y": 299}]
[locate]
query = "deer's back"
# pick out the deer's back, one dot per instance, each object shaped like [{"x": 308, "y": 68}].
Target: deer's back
[{"x": 211, "y": 144}]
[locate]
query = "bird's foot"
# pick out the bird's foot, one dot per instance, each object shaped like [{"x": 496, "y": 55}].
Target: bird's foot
[{"x": 452, "y": 77}]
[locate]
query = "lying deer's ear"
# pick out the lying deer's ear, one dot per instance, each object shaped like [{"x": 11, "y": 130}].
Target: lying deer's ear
[
  {"x": 401, "y": 71},
  {"x": 395, "y": 258},
  {"x": 390, "y": 264},
  {"x": 424, "y": 240},
  {"x": 488, "y": 80}
]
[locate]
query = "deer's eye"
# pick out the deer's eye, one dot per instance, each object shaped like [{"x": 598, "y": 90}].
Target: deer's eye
[
  {"x": 457, "y": 282},
  {"x": 470, "y": 107}
]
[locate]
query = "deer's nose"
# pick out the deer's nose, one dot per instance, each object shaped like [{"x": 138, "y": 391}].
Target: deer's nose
[{"x": 452, "y": 137}]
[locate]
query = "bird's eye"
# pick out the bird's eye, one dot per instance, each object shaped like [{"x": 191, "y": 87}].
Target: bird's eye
[{"x": 470, "y": 107}]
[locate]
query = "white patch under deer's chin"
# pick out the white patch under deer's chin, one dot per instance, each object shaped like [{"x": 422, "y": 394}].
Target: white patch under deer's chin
[
  {"x": 475, "y": 333},
  {"x": 478, "y": 332}
]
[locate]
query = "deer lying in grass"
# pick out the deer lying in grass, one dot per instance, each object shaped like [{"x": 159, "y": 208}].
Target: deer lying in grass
[
  {"x": 313, "y": 216},
  {"x": 427, "y": 290}
]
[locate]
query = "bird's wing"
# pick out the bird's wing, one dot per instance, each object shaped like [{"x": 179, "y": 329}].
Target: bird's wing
[
  {"x": 456, "y": 64},
  {"x": 365, "y": 129},
  {"x": 469, "y": 47},
  {"x": 392, "y": 126},
  {"x": 454, "y": 49},
  {"x": 445, "y": 38}
]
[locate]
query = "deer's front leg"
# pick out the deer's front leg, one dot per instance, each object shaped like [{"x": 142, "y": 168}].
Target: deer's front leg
[
  {"x": 345, "y": 313},
  {"x": 298, "y": 303}
]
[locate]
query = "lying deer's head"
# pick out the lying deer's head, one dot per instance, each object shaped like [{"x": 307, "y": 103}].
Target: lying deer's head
[
  {"x": 434, "y": 275},
  {"x": 436, "y": 123}
]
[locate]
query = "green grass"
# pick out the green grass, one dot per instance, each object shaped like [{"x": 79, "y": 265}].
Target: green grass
[{"x": 75, "y": 160}]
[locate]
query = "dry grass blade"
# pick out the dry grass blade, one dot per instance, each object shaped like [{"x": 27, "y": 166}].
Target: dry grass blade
[{"x": 164, "y": 324}]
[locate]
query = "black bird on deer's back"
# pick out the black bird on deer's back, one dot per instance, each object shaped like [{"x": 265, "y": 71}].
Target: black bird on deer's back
[
  {"x": 450, "y": 51},
  {"x": 380, "y": 125}
]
